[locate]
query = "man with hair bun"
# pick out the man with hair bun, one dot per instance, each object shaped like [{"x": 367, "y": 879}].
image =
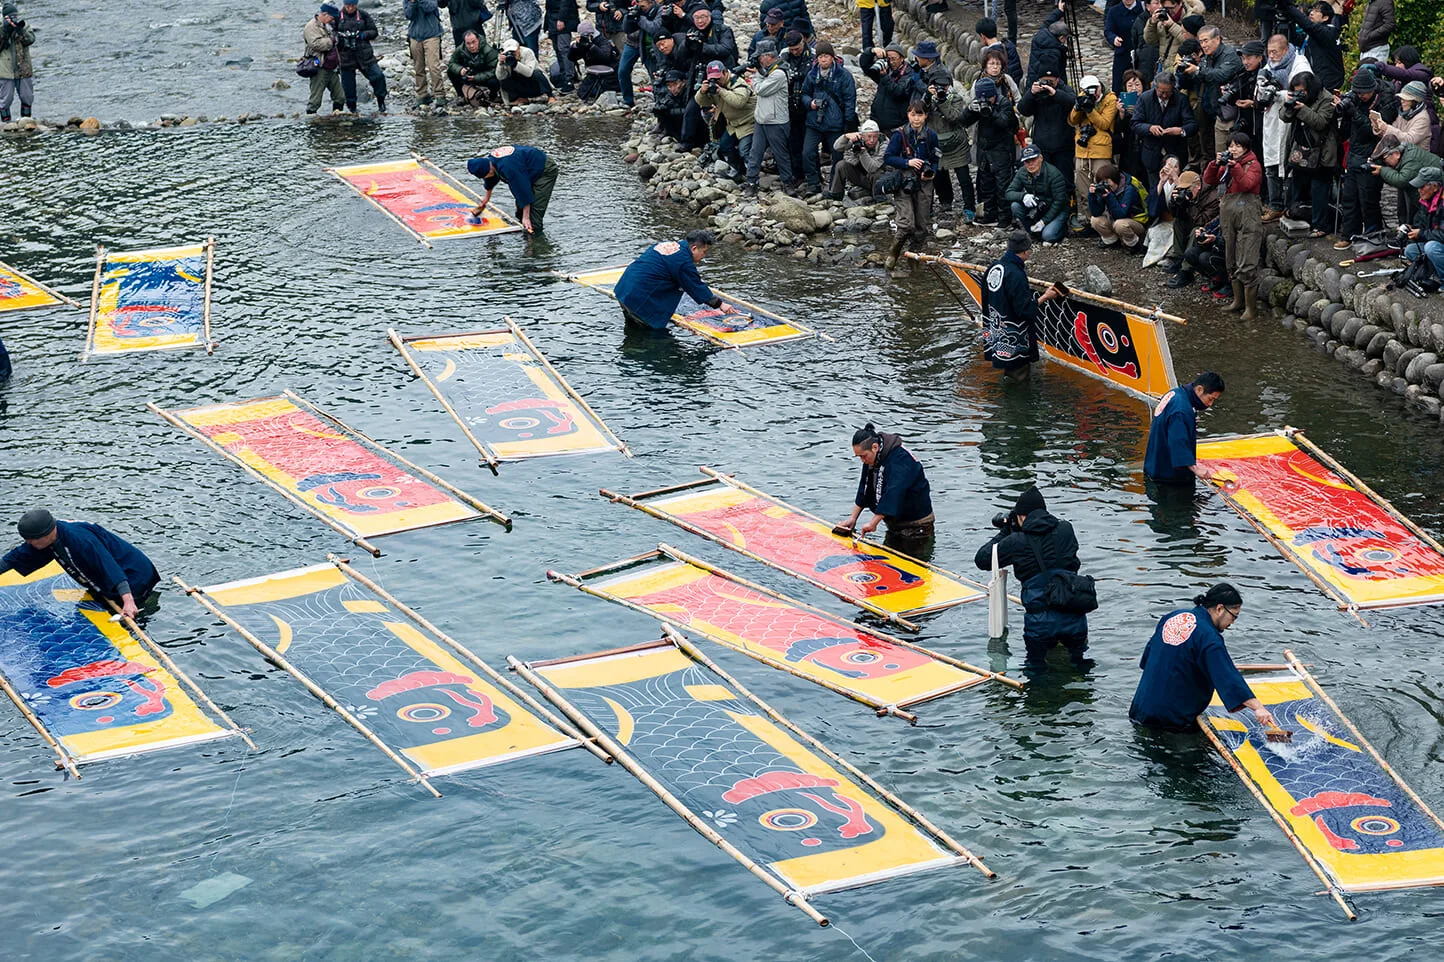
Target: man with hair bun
[
  {"x": 1186, "y": 661},
  {"x": 894, "y": 487},
  {"x": 652, "y": 286}
]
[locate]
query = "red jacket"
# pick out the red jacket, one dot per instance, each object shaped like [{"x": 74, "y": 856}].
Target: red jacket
[{"x": 1245, "y": 176}]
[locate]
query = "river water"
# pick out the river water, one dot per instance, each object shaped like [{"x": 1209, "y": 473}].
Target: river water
[{"x": 1107, "y": 845}]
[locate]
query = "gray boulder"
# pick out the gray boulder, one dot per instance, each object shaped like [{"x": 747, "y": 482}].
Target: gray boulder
[{"x": 793, "y": 214}]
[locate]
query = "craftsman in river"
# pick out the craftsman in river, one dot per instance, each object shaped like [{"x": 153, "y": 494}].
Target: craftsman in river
[
  {"x": 652, "y": 286},
  {"x": 894, "y": 487},
  {"x": 103, "y": 563}
]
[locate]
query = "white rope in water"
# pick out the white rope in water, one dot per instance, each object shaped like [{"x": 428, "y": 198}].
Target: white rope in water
[{"x": 864, "y": 951}]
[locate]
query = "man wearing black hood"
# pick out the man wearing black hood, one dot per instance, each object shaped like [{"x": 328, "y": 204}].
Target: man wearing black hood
[
  {"x": 893, "y": 486},
  {"x": 1036, "y": 544},
  {"x": 1049, "y": 51}
]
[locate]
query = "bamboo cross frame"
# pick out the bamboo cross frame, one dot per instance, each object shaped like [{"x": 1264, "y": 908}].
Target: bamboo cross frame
[
  {"x": 513, "y": 224},
  {"x": 399, "y": 342},
  {"x": 397, "y": 220},
  {"x": 467, "y": 655},
  {"x": 276, "y": 658},
  {"x": 94, "y": 301},
  {"x": 206, "y": 316},
  {"x": 789, "y": 895},
  {"x": 63, "y": 759},
  {"x": 520, "y": 335},
  {"x": 41, "y": 286},
  {"x": 917, "y": 817}
]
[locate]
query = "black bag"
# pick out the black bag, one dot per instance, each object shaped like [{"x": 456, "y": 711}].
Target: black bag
[
  {"x": 1065, "y": 591},
  {"x": 308, "y": 67}
]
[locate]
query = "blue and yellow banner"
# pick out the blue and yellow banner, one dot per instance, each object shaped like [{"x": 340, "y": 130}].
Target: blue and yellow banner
[
  {"x": 151, "y": 300},
  {"x": 19, "y": 291}
]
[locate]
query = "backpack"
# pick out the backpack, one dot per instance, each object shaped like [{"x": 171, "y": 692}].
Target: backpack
[{"x": 1062, "y": 590}]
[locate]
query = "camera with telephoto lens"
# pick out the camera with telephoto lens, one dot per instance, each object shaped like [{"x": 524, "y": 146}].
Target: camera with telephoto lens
[
  {"x": 1267, "y": 86},
  {"x": 1085, "y": 134},
  {"x": 1003, "y": 521},
  {"x": 1085, "y": 103},
  {"x": 1401, "y": 233},
  {"x": 1181, "y": 202},
  {"x": 1349, "y": 102},
  {"x": 1228, "y": 92}
]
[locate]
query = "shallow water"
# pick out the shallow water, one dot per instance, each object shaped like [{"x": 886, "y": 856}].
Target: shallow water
[{"x": 1108, "y": 845}]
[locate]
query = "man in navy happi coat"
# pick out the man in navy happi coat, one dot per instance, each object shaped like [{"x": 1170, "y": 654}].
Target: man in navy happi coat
[
  {"x": 1173, "y": 433},
  {"x": 1010, "y": 310},
  {"x": 652, "y": 286},
  {"x": 528, "y": 173},
  {"x": 102, "y": 563}
]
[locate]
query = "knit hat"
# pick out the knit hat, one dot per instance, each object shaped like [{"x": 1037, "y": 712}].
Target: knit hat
[
  {"x": 329, "y": 9},
  {"x": 36, "y": 523},
  {"x": 9, "y": 9},
  {"x": 587, "y": 28},
  {"x": 895, "y": 48},
  {"x": 1019, "y": 241},
  {"x": 985, "y": 88},
  {"x": 869, "y": 127},
  {"x": 792, "y": 38},
  {"x": 1193, "y": 23},
  {"x": 676, "y": 76},
  {"x": 1031, "y": 152},
  {"x": 1032, "y": 499},
  {"x": 715, "y": 69},
  {"x": 774, "y": 15},
  {"x": 823, "y": 47},
  {"x": 1415, "y": 90},
  {"x": 766, "y": 47},
  {"x": 1364, "y": 82},
  {"x": 1429, "y": 175},
  {"x": 1254, "y": 48},
  {"x": 926, "y": 50}
]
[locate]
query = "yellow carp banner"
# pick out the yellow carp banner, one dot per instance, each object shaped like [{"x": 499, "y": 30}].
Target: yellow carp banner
[
  {"x": 869, "y": 667},
  {"x": 315, "y": 460},
  {"x": 1351, "y": 542},
  {"x": 152, "y": 300},
  {"x": 1356, "y": 819},
  {"x": 87, "y": 682},
  {"x": 744, "y": 325},
  {"x": 505, "y": 395},
  {"x": 873, "y": 577},
  {"x": 19, "y": 291},
  {"x": 428, "y": 203},
  {"x": 403, "y": 683},
  {"x": 781, "y": 804}
]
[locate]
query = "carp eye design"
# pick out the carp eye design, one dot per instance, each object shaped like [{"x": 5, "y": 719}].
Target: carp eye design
[
  {"x": 423, "y": 712},
  {"x": 787, "y": 819},
  {"x": 1374, "y": 825},
  {"x": 96, "y": 700}
]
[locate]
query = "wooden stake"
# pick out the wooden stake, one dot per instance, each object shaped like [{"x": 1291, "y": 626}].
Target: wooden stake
[
  {"x": 922, "y": 821},
  {"x": 671, "y": 801},
  {"x": 62, "y": 757},
  {"x": 279, "y": 660},
  {"x": 501, "y": 680},
  {"x": 350, "y": 535},
  {"x": 1278, "y": 819},
  {"x": 206, "y": 316},
  {"x": 520, "y": 335},
  {"x": 94, "y": 302},
  {"x": 399, "y": 222},
  {"x": 487, "y": 457}
]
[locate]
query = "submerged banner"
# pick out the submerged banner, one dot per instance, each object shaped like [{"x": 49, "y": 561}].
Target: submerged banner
[
  {"x": 508, "y": 399},
  {"x": 839, "y": 655},
  {"x": 1355, "y": 545},
  {"x": 1127, "y": 350},
  {"x": 19, "y": 291},
  {"x": 321, "y": 464},
  {"x": 90, "y": 684},
  {"x": 743, "y": 325},
  {"x": 780, "y": 803},
  {"x": 405, "y": 685},
  {"x": 1359, "y": 823},
  {"x": 151, "y": 300},
  {"x": 421, "y": 197}
]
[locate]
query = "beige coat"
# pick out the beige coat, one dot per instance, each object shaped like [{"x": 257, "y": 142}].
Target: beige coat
[{"x": 738, "y": 102}]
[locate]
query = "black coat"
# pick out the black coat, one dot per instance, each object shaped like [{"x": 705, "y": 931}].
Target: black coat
[
  {"x": 795, "y": 15},
  {"x": 1323, "y": 50},
  {"x": 1058, "y": 547},
  {"x": 1051, "y": 130},
  {"x": 1151, "y": 112},
  {"x": 1145, "y": 54},
  {"x": 997, "y": 122},
  {"x": 1047, "y": 55},
  {"x": 353, "y": 39},
  {"x": 895, "y": 90},
  {"x": 1354, "y": 121},
  {"x": 561, "y": 10}
]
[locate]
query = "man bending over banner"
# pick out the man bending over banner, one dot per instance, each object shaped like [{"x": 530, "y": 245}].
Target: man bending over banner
[
  {"x": 652, "y": 286},
  {"x": 1010, "y": 310},
  {"x": 1173, "y": 434},
  {"x": 104, "y": 564},
  {"x": 527, "y": 172},
  {"x": 895, "y": 488}
]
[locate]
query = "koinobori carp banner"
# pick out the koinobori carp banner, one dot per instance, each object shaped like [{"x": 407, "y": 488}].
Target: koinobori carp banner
[
  {"x": 769, "y": 530},
  {"x": 1127, "y": 350},
  {"x": 743, "y": 325},
  {"x": 846, "y": 657},
  {"x": 1354, "y": 544},
  {"x": 780, "y": 803},
  {"x": 423, "y": 199},
  {"x": 1359, "y": 823},
  {"x": 412, "y": 691},
  {"x": 19, "y": 291},
  {"x": 324, "y": 466},
  {"x": 505, "y": 395},
  {"x": 152, "y": 300},
  {"x": 90, "y": 684}
]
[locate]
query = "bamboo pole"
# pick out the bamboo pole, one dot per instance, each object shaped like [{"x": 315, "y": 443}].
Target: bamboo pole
[
  {"x": 456, "y": 492},
  {"x": 46, "y": 288},
  {"x": 624, "y": 650},
  {"x": 922, "y": 821},
  {"x": 512, "y": 224},
  {"x": 94, "y": 302},
  {"x": 165, "y": 659},
  {"x": 501, "y": 681},
  {"x": 671, "y": 801},
  {"x": 350, "y": 535},
  {"x": 685, "y": 558},
  {"x": 1309, "y": 680},
  {"x": 704, "y": 533},
  {"x": 206, "y": 316},
  {"x": 520, "y": 335},
  {"x": 280, "y": 660},
  {"x": 1298, "y": 844},
  {"x": 487, "y": 457},
  {"x": 63, "y": 758},
  {"x": 616, "y": 565},
  {"x": 671, "y": 488},
  {"x": 399, "y": 222}
]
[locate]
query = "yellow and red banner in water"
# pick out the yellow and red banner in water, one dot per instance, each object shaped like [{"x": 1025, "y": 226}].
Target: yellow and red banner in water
[
  {"x": 427, "y": 202},
  {"x": 19, "y": 291},
  {"x": 1360, "y": 823},
  {"x": 88, "y": 682},
  {"x": 1354, "y": 545},
  {"x": 151, "y": 300},
  {"x": 741, "y": 325}
]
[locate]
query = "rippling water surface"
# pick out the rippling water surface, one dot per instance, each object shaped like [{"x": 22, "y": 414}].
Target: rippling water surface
[{"x": 1108, "y": 845}]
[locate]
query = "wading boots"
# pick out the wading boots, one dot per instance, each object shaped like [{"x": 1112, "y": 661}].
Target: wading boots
[
  {"x": 1250, "y": 302},
  {"x": 1237, "y": 303}
]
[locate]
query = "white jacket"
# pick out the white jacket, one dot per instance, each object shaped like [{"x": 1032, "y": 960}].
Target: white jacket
[
  {"x": 526, "y": 64},
  {"x": 1275, "y": 127}
]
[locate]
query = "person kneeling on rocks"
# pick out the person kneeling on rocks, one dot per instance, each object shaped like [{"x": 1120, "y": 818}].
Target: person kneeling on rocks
[
  {"x": 1426, "y": 233},
  {"x": 600, "y": 57},
  {"x": 913, "y": 151},
  {"x": 521, "y": 77},
  {"x": 472, "y": 70},
  {"x": 861, "y": 165},
  {"x": 1116, "y": 208},
  {"x": 1039, "y": 197},
  {"x": 669, "y": 105}
]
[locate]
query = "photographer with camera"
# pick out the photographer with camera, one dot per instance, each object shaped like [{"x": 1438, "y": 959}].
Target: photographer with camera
[
  {"x": 897, "y": 84},
  {"x": 472, "y": 69},
  {"x": 520, "y": 75},
  {"x": 1050, "y": 102},
  {"x": 1191, "y": 202},
  {"x": 829, "y": 95},
  {"x": 1426, "y": 233},
  {"x": 913, "y": 151},
  {"x": 320, "y": 39},
  {"x": 611, "y": 19},
  {"x": 894, "y": 487},
  {"x": 1414, "y": 125},
  {"x": 643, "y": 25},
  {"x": 992, "y": 112},
  {"x": 1042, "y": 549},
  {"x": 1204, "y": 255},
  {"x": 771, "y": 132},
  {"x": 1165, "y": 31},
  {"x": 1314, "y": 149},
  {"x": 354, "y": 32},
  {"x": 862, "y": 160},
  {"x": 1398, "y": 164},
  {"x": 669, "y": 104},
  {"x": 937, "y": 84},
  {"x": 1094, "y": 117},
  {"x": 595, "y": 59},
  {"x": 525, "y": 19},
  {"x": 1238, "y": 173},
  {"x": 1285, "y": 63},
  {"x": 1238, "y": 105},
  {"x": 1219, "y": 66},
  {"x": 947, "y": 116},
  {"x": 773, "y": 28},
  {"x": 1363, "y": 112},
  {"x": 710, "y": 40},
  {"x": 1326, "y": 53},
  {"x": 1163, "y": 122},
  {"x": 1038, "y": 197},
  {"x": 1116, "y": 209},
  {"x": 729, "y": 94}
]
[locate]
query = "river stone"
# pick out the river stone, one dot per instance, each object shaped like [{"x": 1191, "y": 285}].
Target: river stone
[
  {"x": 1291, "y": 304},
  {"x": 1364, "y": 335},
  {"x": 1371, "y": 367},
  {"x": 1383, "y": 378},
  {"x": 822, "y": 219},
  {"x": 1329, "y": 313},
  {"x": 1396, "y": 315},
  {"x": 1350, "y": 329},
  {"x": 1316, "y": 310},
  {"x": 708, "y": 195},
  {"x": 1279, "y": 296},
  {"x": 1312, "y": 268},
  {"x": 1331, "y": 347},
  {"x": 1096, "y": 282},
  {"x": 1414, "y": 373},
  {"x": 1392, "y": 351},
  {"x": 1376, "y": 345},
  {"x": 1398, "y": 385},
  {"x": 1318, "y": 335},
  {"x": 1329, "y": 280},
  {"x": 792, "y": 213},
  {"x": 1430, "y": 404},
  {"x": 1437, "y": 330},
  {"x": 1347, "y": 283},
  {"x": 1337, "y": 320},
  {"x": 1402, "y": 365},
  {"x": 1299, "y": 324},
  {"x": 1411, "y": 331},
  {"x": 1296, "y": 263},
  {"x": 1377, "y": 309},
  {"x": 1434, "y": 376}
]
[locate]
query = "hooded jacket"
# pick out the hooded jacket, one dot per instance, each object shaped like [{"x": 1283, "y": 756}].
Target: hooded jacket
[
  {"x": 15, "y": 50},
  {"x": 895, "y": 485},
  {"x": 1058, "y": 547},
  {"x": 1047, "y": 56}
]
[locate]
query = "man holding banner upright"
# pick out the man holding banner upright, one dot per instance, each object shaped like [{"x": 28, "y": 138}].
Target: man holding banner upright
[{"x": 1010, "y": 310}]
